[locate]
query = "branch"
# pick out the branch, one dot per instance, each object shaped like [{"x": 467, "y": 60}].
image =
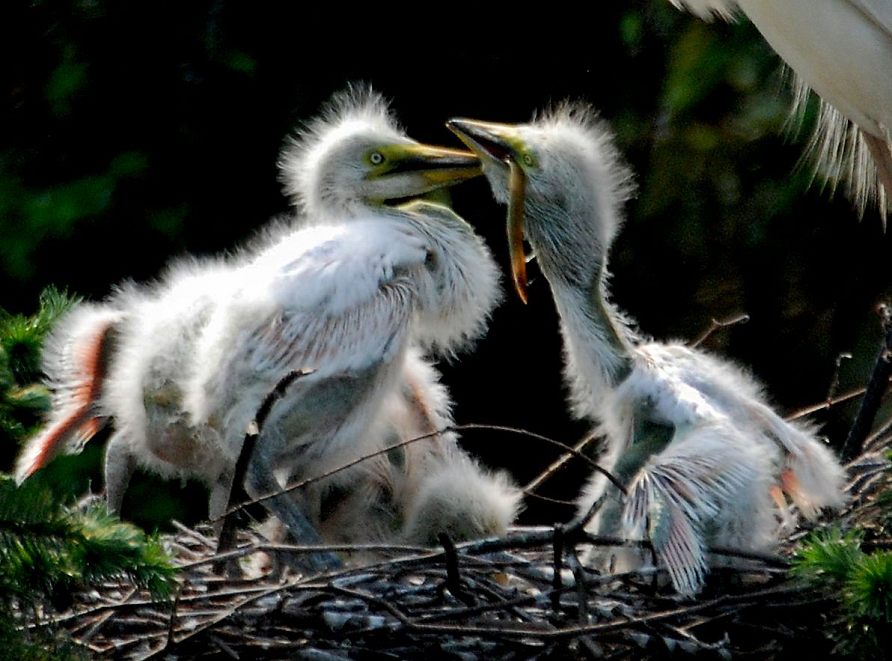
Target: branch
[
  {"x": 453, "y": 428},
  {"x": 876, "y": 388},
  {"x": 228, "y": 531},
  {"x": 717, "y": 324}
]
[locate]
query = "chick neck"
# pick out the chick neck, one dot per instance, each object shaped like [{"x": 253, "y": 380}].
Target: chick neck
[{"x": 572, "y": 254}]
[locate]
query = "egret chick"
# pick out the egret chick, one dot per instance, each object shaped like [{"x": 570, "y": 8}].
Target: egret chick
[
  {"x": 841, "y": 49},
  {"x": 410, "y": 494},
  {"x": 165, "y": 417},
  {"x": 346, "y": 301},
  {"x": 319, "y": 172},
  {"x": 354, "y": 157},
  {"x": 691, "y": 436}
]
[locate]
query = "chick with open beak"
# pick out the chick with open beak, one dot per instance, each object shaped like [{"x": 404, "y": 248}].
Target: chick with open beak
[
  {"x": 699, "y": 450},
  {"x": 493, "y": 143}
]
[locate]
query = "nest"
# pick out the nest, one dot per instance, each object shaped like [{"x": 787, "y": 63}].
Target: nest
[
  {"x": 525, "y": 595},
  {"x": 521, "y": 596}
]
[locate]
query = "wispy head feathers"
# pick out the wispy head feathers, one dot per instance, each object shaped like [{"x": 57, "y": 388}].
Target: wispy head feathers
[
  {"x": 357, "y": 109},
  {"x": 582, "y": 144}
]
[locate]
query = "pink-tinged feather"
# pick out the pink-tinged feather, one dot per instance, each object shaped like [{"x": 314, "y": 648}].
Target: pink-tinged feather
[{"x": 88, "y": 357}]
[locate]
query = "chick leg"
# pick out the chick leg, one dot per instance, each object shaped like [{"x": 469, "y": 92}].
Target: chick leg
[
  {"x": 119, "y": 467},
  {"x": 220, "y": 499},
  {"x": 261, "y": 482}
]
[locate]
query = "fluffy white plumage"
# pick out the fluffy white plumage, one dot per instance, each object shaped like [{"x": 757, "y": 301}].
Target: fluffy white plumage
[
  {"x": 191, "y": 358},
  {"x": 316, "y": 172},
  {"x": 346, "y": 301},
  {"x": 841, "y": 49},
  {"x": 355, "y": 156},
  {"x": 690, "y": 435},
  {"x": 412, "y": 493}
]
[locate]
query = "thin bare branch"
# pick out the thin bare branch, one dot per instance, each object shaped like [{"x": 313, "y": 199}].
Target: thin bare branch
[{"x": 716, "y": 324}]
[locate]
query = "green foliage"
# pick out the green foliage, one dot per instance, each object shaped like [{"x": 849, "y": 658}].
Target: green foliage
[
  {"x": 23, "y": 403},
  {"x": 869, "y": 588},
  {"x": 861, "y": 583},
  {"x": 46, "y": 550},
  {"x": 828, "y": 556},
  {"x": 21, "y": 337},
  {"x": 38, "y": 645}
]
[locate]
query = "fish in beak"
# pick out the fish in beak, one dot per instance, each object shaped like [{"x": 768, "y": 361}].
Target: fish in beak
[{"x": 497, "y": 145}]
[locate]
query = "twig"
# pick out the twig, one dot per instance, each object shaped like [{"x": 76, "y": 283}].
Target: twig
[
  {"x": 579, "y": 577},
  {"x": 548, "y": 499},
  {"x": 876, "y": 388},
  {"x": 578, "y": 524},
  {"x": 825, "y": 406},
  {"x": 228, "y": 531},
  {"x": 453, "y": 578},
  {"x": 717, "y": 324},
  {"x": 173, "y": 616},
  {"x": 453, "y": 428},
  {"x": 834, "y": 382},
  {"x": 559, "y": 463},
  {"x": 223, "y": 647},
  {"x": 216, "y": 620},
  {"x": 557, "y": 563}
]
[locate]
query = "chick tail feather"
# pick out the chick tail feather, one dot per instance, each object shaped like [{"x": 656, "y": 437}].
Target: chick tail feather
[{"x": 76, "y": 358}]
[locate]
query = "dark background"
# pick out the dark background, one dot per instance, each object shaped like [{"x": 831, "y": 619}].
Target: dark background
[{"x": 134, "y": 132}]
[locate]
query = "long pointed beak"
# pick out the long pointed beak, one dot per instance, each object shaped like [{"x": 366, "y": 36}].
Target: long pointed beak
[
  {"x": 496, "y": 142},
  {"x": 436, "y": 166}
]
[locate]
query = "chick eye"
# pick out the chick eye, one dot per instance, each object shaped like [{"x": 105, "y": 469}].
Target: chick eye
[
  {"x": 430, "y": 259},
  {"x": 527, "y": 159},
  {"x": 376, "y": 158}
]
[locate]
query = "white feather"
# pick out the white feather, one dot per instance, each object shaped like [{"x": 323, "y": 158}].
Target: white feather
[
  {"x": 692, "y": 434},
  {"x": 841, "y": 49}
]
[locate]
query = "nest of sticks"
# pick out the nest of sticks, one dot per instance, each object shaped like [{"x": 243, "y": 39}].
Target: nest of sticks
[{"x": 525, "y": 595}]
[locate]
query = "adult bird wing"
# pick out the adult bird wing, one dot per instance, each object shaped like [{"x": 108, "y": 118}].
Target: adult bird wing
[
  {"x": 841, "y": 49},
  {"x": 878, "y": 11}
]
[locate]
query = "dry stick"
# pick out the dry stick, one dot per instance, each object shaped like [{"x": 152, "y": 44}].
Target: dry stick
[
  {"x": 876, "y": 388},
  {"x": 226, "y": 649},
  {"x": 558, "y": 561},
  {"x": 228, "y": 532},
  {"x": 834, "y": 382},
  {"x": 559, "y": 463},
  {"x": 880, "y": 437},
  {"x": 102, "y": 619},
  {"x": 218, "y": 618},
  {"x": 548, "y": 499},
  {"x": 456, "y": 613},
  {"x": 453, "y": 578},
  {"x": 118, "y": 606},
  {"x": 501, "y": 603},
  {"x": 579, "y": 579},
  {"x": 603, "y": 540},
  {"x": 452, "y": 428},
  {"x": 740, "y": 601},
  {"x": 577, "y": 526},
  {"x": 171, "y": 625},
  {"x": 825, "y": 406},
  {"x": 717, "y": 324}
]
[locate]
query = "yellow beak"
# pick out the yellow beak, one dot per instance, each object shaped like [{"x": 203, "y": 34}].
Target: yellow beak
[{"x": 435, "y": 167}]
